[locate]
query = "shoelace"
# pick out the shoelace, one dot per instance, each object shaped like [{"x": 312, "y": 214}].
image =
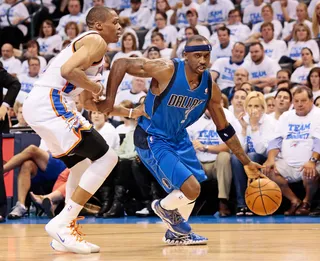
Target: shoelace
[{"x": 74, "y": 227}]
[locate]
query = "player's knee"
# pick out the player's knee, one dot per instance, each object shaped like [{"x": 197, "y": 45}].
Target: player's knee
[{"x": 191, "y": 188}]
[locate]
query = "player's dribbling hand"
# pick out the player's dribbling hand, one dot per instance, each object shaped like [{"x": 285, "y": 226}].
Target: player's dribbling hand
[
  {"x": 253, "y": 171},
  {"x": 3, "y": 112}
]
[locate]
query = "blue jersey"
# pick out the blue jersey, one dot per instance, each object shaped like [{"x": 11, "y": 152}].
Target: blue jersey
[{"x": 177, "y": 107}]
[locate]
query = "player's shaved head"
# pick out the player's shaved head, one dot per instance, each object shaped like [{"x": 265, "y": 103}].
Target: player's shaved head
[
  {"x": 98, "y": 14},
  {"x": 197, "y": 39}
]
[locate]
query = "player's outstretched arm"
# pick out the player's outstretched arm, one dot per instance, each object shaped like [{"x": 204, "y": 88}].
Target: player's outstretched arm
[
  {"x": 228, "y": 135},
  {"x": 160, "y": 69},
  {"x": 89, "y": 50}
]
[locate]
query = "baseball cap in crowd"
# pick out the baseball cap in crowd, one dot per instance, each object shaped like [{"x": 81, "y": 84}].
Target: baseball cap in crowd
[{"x": 192, "y": 11}]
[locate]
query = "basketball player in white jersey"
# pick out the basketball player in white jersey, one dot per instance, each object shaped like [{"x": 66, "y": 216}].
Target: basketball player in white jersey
[{"x": 50, "y": 110}]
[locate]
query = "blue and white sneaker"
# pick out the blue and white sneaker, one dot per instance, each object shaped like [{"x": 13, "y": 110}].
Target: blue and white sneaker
[
  {"x": 172, "y": 218},
  {"x": 174, "y": 239}
]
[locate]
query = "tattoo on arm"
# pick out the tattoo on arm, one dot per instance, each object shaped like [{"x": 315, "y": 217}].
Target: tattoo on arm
[{"x": 235, "y": 146}]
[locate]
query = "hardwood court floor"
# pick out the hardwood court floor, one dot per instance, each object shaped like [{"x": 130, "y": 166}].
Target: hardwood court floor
[{"x": 142, "y": 241}]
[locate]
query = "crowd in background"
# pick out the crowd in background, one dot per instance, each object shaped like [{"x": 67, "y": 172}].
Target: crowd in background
[{"x": 265, "y": 60}]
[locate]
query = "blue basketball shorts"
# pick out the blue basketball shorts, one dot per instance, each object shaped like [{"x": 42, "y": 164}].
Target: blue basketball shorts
[
  {"x": 53, "y": 170},
  {"x": 171, "y": 164}
]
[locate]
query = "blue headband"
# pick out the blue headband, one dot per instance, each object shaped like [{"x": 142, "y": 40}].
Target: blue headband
[{"x": 198, "y": 48}]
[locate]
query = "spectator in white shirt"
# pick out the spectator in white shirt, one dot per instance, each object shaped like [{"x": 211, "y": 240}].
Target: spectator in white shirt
[
  {"x": 237, "y": 102},
  {"x": 128, "y": 47},
  {"x": 126, "y": 27},
  {"x": 301, "y": 39},
  {"x": 240, "y": 31},
  {"x": 223, "y": 69},
  {"x": 161, "y": 6},
  {"x": 212, "y": 12},
  {"x": 28, "y": 79},
  {"x": 74, "y": 16},
  {"x": 267, "y": 15},
  {"x": 9, "y": 62},
  {"x": 257, "y": 128},
  {"x": 316, "y": 21},
  {"x": 285, "y": 10},
  {"x": 283, "y": 75},
  {"x": 301, "y": 73},
  {"x": 17, "y": 108},
  {"x": 33, "y": 51},
  {"x": 17, "y": 13},
  {"x": 157, "y": 40},
  {"x": 270, "y": 105},
  {"x": 241, "y": 75},
  {"x": 169, "y": 32},
  {"x": 107, "y": 131},
  {"x": 283, "y": 100},
  {"x": 223, "y": 48},
  {"x": 192, "y": 17},
  {"x": 133, "y": 95},
  {"x": 179, "y": 16},
  {"x": 313, "y": 81},
  {"x": 138, "y": 15},
  {"x": 262, "y": 69},
  {"x": 178, "y": 49},
  {"x": 297, "y": 137},
  {"x": 48, "y": 40},
  {"x": 214, "y": 155},
  {"x": 252, "y": 14},
  {"x": 312, "y": 7},
  {"x": 272, "y": 48},
  {"x": 302, "y": 17}
]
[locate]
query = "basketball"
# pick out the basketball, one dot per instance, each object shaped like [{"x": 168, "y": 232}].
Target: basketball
[{"x": 263, "y": 197}]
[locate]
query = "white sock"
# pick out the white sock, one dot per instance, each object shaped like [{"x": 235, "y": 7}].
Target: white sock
[
  {"x": 98, "y": 171},
  {"x": 75, "y": 175},
  {"x": 70, "y": 211},
  {"x": 186, "y": 210},
  {"x": 175, "y": 200}
]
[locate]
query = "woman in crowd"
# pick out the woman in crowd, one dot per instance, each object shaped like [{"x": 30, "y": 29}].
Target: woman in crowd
[
  {"x": 301, "y": 39},
  {"x": 72, "y": 30},
  {"x": 316, "y": 21},
  {"x": 257, "y": 128},
  {"x": 302, "y": 17},
  {"x": 301, "y": 73},
  {"x": 49, "y": 42},
  {"x": 128, "y": 47},
  {"x": 163, "y": 7},
  {"x": 313, "y": 82},
  {"x": 169, "y": 31},
  {"x": 270, "y": 104}
]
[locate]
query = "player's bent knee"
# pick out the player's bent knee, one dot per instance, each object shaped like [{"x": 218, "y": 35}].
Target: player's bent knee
[
  {"x": 29, "y": 165},
  {"x": 32, "y": 150},
  {"x": 191, "y": 188}
]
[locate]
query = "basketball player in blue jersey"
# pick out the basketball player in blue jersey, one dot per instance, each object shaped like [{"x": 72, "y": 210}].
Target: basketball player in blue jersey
[{"x": 180, "y": 92}]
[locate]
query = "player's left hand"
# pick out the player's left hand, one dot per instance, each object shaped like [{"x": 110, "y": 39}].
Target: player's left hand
[
  {"x": 253, "y": 171},
  {"x": 3, "y": 112},
  {"x": 139, "y": 111},
  {"x": 309, "y": 170},
  {"x": 98, "y": 97}
]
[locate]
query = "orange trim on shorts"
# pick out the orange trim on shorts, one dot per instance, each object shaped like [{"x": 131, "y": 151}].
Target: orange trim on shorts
[{"x": 77, "y": 133}]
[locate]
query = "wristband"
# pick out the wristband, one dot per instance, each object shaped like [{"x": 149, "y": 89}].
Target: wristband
[
  {"x": 130, "y": 113},
  {"x": 99, "y": 90}
]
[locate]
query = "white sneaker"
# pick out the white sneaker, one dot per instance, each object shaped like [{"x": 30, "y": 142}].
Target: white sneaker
[
  {"x": 58, "y": 247},
  {"x": 68, "y": 235}
]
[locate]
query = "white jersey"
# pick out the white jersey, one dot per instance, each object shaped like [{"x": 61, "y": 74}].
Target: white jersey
[
  {"x": 50, "y": 108},
  {"x": 52, "y": 78}
]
